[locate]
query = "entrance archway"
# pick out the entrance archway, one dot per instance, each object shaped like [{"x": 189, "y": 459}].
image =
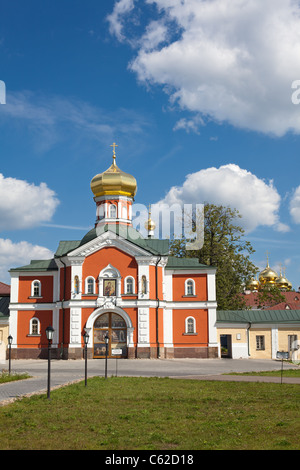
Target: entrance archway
[{"x": 116, "y": 327}]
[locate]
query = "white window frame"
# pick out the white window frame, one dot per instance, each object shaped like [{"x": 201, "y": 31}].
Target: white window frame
[
  {"x": 31, "y": 327},
  {"x": 33, "y": 288},
  {"x": 90, "y": 278},
  {"x": 127, "y": 278},
  {"x": 187, "y": 332},
  {"x": 186, "y": 287}
]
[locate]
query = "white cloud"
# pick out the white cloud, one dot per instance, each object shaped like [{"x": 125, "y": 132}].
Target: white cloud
[
  {"x": 295, "y": 206},
  {"x": 115, "y": 19},
  {"x": 229, "y": 60},
  {"x": 189, "y": 125},
  {"x": 24, "y": 205},
  {"x": 257, "y": 200},
  {"x": 19, "y": 254}
]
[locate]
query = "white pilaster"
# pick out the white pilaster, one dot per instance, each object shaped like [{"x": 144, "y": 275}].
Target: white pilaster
[
  {"x": 75, "y": 327},
  {"x": 168, "y": 328},
  {"x": 143, "y": 327}
]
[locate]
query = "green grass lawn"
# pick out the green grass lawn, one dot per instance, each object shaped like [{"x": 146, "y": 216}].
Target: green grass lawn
[
  {"x": 271, "y": 373},
  {"x": 128, "y": 413},
  {"x": 6, "y": 377}
]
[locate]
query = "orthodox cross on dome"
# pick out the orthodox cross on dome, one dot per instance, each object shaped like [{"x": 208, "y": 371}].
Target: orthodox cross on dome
[
  {"x": 267, "y": 253},
  {"x": 114, "y": 145}
]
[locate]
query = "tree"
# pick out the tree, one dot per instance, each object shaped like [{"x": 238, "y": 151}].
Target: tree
[
  {"x": 269, "y": 296},
  {"x": 225, "y": 248}
]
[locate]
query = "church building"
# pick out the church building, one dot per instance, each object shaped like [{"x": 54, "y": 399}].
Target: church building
[{"x": 114, "y": 282}]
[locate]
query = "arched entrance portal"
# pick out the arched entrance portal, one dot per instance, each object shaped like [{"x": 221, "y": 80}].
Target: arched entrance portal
[{"x": 116, "y": 327}]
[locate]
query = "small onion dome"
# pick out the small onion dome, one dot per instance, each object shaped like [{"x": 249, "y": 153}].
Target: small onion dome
[
  {"x": 282, "y": 282},
  {"x": 114, "y": 181},
  {"x": 253, "y": 285},
  {"x": 289, "y": 285},
  {"x": 150, "y": 225}
]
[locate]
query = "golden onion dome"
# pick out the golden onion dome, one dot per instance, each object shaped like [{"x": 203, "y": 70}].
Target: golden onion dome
[
  {"x": 268, "y": 275},
  {"x": 114, "y": 181},
  {"x": 282, "y": 282}
]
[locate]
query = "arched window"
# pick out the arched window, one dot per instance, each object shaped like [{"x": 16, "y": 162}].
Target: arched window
[
  {"x": 34, "y": 327},
  {"x": 100, "y": 212},
  {"x": 36, "y": 289},
  {"x": 76, "y": 285},
  {"x": 113, "y": 211},
  {"x": 190, "y": 325},
  {"x": 129, "y": 285},
  {"x": 189, "y": 287},
  {"x": 90, "y": 285}
]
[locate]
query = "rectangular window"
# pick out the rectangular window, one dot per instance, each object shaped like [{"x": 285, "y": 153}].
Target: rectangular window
[{"x": 260, "y": 343}]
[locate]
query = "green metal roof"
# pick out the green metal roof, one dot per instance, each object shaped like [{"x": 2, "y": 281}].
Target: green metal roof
[
  {"x": 65, "y": 246},
  {"x": 38, "y": 265},
  {"x": 185, "y": 263},
  {"x": 154, "y": 246},
  {"x": 258, "y": 316}
]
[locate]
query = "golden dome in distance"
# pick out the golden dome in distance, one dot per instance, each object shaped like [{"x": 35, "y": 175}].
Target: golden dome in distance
[
  {"x": 282, "y": 282},
  {"x": 267, "y": 276},
  {"x": 253, "y": 284},
  {"x": 114, "y": 181}
]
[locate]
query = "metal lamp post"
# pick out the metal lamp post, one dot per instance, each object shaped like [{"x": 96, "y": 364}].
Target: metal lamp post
[
  {"x": 9, "y": 339},
  {"x": 49, "y": 333},
  {"x": 106, "y": 352},
  {"x": 86, "y": 340}
]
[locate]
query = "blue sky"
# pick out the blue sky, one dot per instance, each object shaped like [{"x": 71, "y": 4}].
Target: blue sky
[{"x": 196, "y": 94}]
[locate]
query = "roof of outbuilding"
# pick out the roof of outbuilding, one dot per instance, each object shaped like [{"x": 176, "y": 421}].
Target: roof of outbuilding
[{"x": 258, "y": 316}]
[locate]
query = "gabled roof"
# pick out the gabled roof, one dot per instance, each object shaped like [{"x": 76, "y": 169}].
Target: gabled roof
[
  {"x": 258, "y": 316},
  {"x": 65, "y": 246}
]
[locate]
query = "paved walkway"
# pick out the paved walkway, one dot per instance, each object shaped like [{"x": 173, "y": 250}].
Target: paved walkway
[{"x": 66, "y": 372}]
